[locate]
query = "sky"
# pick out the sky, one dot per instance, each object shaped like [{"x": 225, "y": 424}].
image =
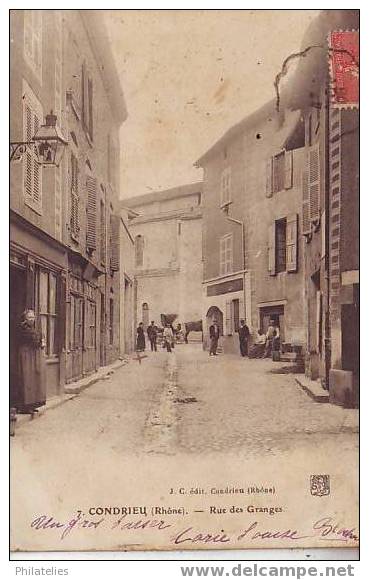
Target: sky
[{"x": 187, "y": 77}]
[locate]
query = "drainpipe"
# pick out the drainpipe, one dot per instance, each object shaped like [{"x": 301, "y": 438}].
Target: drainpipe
[{"x": 242, "y": 224}]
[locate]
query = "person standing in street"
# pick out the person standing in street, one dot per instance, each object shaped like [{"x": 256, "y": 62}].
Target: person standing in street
[
  {"x": 31, "y": 365},
  {"x": 152, "y": 333},
  {"x": 140, "y": 340},
  {"x": 168, "y": 337},
  {"x": 244, "y": 334},
  {"x": 214, "y": 338}
]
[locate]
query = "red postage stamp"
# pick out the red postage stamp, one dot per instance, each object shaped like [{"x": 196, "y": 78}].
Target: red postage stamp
[{"x": 344, "y": 65}]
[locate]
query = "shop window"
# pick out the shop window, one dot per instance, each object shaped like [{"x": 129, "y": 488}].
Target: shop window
[{"x": 47, "y": 310}]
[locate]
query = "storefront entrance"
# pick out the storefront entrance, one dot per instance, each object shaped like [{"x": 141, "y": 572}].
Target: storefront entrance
[{"x": 17, "y": 307}]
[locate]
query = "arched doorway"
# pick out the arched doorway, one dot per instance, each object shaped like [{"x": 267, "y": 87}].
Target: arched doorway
[
  {"x": 145, "y": 315},
  {"x": 214, "y": 314}
]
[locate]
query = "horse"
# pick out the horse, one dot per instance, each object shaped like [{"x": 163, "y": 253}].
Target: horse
[{"x": 190, "y": 326}]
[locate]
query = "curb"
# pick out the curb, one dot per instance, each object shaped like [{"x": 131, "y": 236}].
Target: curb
[{"x": 314, "y": 391}]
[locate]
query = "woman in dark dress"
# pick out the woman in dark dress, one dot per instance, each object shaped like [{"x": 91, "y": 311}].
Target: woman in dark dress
[
  {"x": 140, "y": 341},
  {"x": 31, "y": 365}
]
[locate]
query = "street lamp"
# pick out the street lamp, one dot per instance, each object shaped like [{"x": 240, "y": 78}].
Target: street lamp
[{"x": 49, "y": 143}]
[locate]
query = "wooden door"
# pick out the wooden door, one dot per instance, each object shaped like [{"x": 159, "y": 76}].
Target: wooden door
[{"x": 77, "y": 330}]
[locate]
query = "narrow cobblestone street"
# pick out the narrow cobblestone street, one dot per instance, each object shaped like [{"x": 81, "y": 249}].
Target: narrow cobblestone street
[
  {"x": 173, "y": 421},
  {"x": 181, "y": 402}
]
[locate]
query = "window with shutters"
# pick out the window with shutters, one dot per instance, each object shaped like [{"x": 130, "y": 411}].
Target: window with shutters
[
  {"x": 32, "y": 174},
  {"x": 87, "y": 101},
  {"x": 226, "y": 254},
  {"x": 139, "y": 250},
  {"x": 283, "y": 245},
  {"x": 33, "y": 39},
  {"x": 114, "y": 242},
  {"x": 225, "y": 186},
  {"x": 91, "y": 213},
  {"x": 102, "y": 233},
  {"x": 306, "y": 224},
  {"x": 74, "y": 197},
  {"x": 280, "y": 245},
  {"x": 314, "y": 183},
  {"x": 279, "y": 173}
]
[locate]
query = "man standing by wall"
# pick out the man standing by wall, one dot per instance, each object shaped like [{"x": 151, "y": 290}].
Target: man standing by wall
[
  {"x": 214, "y": 337},
  {"x": 244, "y": 334}
]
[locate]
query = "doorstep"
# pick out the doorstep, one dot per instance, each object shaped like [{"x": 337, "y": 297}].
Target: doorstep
[{"x": 312, "y": 388}]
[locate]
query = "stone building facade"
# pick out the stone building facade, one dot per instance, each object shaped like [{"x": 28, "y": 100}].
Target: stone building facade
[
  {"x": 253, "y": 266},
  {"x": 65, "y": 220},
  {"x": 167, "y": 230}
]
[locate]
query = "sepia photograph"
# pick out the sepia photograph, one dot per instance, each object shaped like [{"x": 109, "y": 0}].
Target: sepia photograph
[{"x": 184, "y": 280}]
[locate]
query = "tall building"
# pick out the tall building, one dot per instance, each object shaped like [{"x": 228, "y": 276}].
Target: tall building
[
  {"x": 330, "y": 203},
  {"x": 253, "y": 266},
  {"x": 65, "y": 221},
  {"x": 167, "y": 230}
]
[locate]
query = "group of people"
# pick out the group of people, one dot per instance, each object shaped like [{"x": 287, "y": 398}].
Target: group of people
[
  {"x": 152, "y": 334},
  {"x": 264, "y": 344}
]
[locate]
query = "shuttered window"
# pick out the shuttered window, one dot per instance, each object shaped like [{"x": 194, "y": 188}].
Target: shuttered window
[
  {"x": 291, "y": 242},
  {"x": 279, "y": 173},
  {"x": 306, "y": 224},
  {"x": 74, "y": 197},
  {"x": 91, "y": 213},
  {"x": 226, "y": 255},
  {"x": 87, "y": 101},
  {"x": 280, "y": 245},
  {"x": 102, "y": 233},
  {"x": 114, "y": 242},
  {"x": 33, "y": 39},
  {"x": 32, "y": 175},
  {"x": 271, "y": 249},
  {"x": 314, "y": 182}
]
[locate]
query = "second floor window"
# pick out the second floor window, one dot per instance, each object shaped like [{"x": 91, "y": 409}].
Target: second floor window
[
  {"x": 280, "y": 245},
  {"x": 226, "y": 255},
  {"x": 32, "y": 174},
  {"x": 279, "y": 173},
  {"x": 33, "y": 39}
]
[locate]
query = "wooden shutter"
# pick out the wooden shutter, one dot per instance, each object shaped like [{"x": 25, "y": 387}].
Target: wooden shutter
[
  {"x": 269, "y": 177},
  {"x": 314, "y": 182},
  {"x": 74, "y": 196},
  {"x": 291, "y": 242},
  {"x": 288, "y": 170},
  {"x": 306, "y": 224},
  {"x": 32, "y": 175},
  {"x": 228, "y": 325},
  {"x": 91, "y": 186},
  {"x": 114, "y": 242},
  {"x": 271, "y": 249}
]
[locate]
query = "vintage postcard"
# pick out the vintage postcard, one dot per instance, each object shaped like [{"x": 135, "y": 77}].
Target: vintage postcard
[{"x": 184, "y": 270}]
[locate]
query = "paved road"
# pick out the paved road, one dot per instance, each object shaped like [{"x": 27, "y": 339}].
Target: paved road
[
  {"x": 192, "y": 403},
  {"x": 177, "y": 419}
]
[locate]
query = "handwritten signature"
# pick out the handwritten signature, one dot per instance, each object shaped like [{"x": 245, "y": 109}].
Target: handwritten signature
[{"x": 325, "y": 528}]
